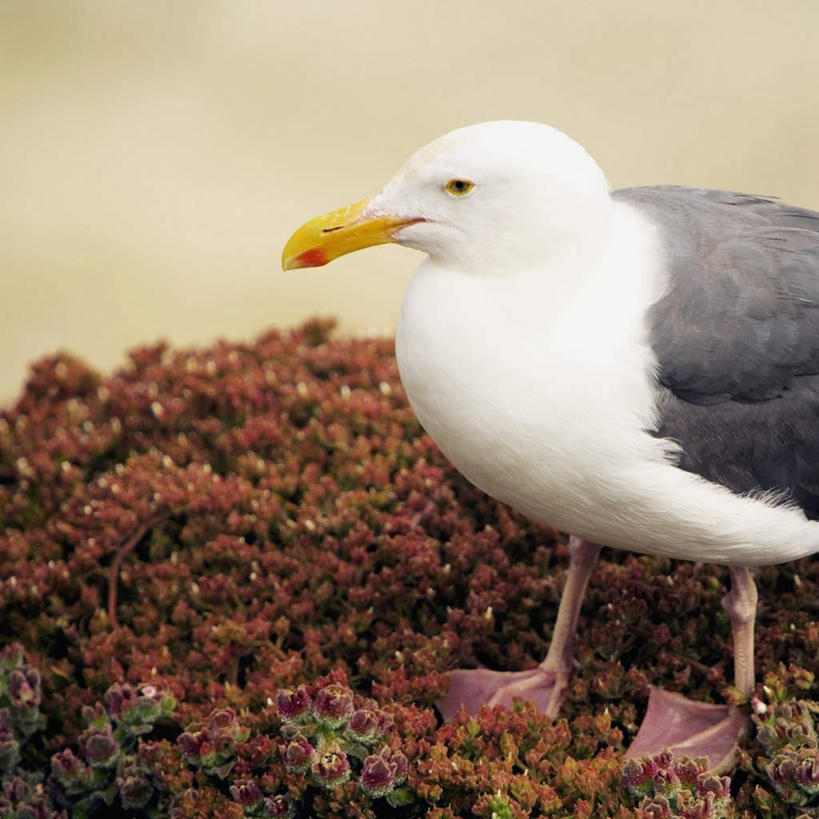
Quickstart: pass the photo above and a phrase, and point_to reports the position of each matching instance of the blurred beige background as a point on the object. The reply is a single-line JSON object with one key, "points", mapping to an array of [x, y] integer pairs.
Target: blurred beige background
{"points": [[156, 154]]}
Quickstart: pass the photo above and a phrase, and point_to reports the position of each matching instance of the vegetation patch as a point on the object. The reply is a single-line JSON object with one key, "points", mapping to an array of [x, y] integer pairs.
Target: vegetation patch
{"points": [[232, 581]]}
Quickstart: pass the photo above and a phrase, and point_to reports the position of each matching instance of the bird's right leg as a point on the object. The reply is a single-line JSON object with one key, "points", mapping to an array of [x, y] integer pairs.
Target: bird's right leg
{"points": [[543, 685]]}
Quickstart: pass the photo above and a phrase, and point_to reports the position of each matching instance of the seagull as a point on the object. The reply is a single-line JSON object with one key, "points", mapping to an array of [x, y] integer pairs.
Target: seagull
{"points": [[637, 368]]}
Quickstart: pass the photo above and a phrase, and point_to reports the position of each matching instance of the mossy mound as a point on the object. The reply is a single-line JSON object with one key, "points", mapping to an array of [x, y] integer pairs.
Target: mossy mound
{"points": [[209, 531]]}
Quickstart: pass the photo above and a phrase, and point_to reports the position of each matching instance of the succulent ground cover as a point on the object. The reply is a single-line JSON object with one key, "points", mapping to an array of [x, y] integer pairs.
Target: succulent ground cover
{"points": [[232, 580]]}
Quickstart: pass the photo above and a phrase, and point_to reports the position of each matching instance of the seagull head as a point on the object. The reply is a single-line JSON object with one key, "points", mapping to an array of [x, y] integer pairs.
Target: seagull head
{"points": [[486, 198]]}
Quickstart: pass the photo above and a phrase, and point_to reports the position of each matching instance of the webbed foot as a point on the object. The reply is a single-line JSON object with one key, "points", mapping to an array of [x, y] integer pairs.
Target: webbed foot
{"points": [[472, 688], [688, 728]]}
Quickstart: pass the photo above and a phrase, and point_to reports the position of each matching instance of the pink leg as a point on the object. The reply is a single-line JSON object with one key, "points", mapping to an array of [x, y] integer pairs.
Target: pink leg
{"points": [[696, 728], [560, 656], [740, 603], [543, 685]]}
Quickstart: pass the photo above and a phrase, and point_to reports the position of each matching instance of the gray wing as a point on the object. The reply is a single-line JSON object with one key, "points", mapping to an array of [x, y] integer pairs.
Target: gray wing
{"points": [[737, 337]]}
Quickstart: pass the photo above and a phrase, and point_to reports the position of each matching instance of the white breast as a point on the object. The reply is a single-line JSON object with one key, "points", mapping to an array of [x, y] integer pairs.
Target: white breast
{"points": [[541, 397]]}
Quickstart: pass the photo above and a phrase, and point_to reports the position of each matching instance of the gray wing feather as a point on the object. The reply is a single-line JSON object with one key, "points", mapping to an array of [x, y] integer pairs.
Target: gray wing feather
{"points": [[737, 339], [741, 315]]}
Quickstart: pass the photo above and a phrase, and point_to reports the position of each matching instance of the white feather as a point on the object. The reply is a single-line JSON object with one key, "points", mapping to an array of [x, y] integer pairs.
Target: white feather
{"points": [[522, 347]]}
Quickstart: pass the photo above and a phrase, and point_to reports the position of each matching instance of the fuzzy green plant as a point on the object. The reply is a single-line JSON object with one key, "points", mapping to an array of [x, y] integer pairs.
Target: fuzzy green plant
{"points": [[335, 739], [788, 731], [20, 697], [107, 768], [682, 788]]}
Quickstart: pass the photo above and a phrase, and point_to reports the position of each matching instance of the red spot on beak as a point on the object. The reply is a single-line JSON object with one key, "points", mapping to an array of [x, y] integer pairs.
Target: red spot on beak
{"points": [[314, 257]]}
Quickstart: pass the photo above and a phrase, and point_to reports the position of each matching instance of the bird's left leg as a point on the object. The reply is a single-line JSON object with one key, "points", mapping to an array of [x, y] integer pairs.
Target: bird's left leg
{"points": [[543, 685], [695, 729], [740, 603]]}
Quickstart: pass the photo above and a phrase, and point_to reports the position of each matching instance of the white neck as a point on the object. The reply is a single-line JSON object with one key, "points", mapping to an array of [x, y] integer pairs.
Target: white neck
{"points": [[589, 280]]}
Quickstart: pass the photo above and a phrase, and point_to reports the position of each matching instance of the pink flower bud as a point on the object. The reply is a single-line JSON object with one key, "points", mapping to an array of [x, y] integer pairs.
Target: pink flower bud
{"points": [[118, 698], [66, 764], [24, 686], [634, 773], [657, 808], [377, 777], [292, 704], [364, 725], [297, 754], [331, 767], [383, 771], [245, 792], [221, 720], [719, 786], [71, 772], [333, 705], [99, 747], [190, 744], [399, 764], [807, 771], [278, 807]]}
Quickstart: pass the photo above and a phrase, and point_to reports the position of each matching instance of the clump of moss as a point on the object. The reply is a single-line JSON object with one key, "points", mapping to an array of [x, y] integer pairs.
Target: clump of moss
{"points": [[223, 528]]}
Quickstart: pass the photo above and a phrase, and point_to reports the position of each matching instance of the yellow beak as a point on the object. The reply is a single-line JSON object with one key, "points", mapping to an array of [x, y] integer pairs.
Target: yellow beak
{"points": [[327, 237]]}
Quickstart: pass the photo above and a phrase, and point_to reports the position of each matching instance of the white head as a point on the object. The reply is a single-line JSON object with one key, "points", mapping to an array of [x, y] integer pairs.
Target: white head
{"points": [[488, 198]]}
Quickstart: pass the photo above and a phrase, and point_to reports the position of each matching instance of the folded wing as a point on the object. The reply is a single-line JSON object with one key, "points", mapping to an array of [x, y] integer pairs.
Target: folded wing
{"points": [[736, 337]]}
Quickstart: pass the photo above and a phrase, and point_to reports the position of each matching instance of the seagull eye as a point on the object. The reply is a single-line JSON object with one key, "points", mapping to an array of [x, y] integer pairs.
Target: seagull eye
{"points": [[459, 187]]}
